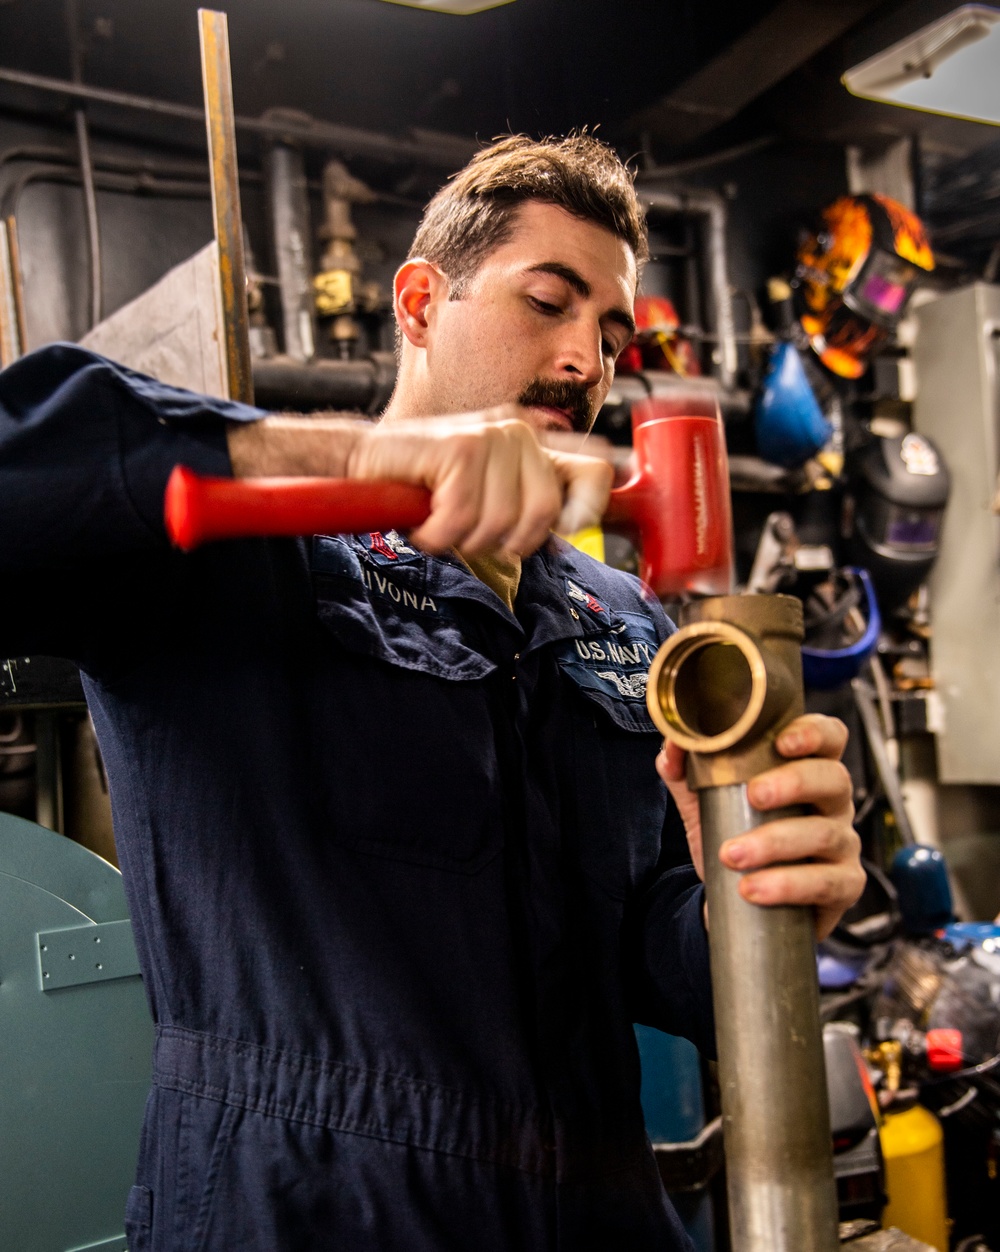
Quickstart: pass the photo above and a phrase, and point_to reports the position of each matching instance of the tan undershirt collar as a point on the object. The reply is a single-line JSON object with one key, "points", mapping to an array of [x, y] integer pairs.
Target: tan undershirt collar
{"points": [[501, 573]]}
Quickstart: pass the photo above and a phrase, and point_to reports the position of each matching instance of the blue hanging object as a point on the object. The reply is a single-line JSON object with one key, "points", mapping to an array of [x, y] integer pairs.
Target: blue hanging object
{"points": [[789, 423], [920, 877], [825, 668]]}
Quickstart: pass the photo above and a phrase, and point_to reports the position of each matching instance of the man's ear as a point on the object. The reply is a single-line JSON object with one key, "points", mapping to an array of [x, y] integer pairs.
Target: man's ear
{"points": [[418, 284]]}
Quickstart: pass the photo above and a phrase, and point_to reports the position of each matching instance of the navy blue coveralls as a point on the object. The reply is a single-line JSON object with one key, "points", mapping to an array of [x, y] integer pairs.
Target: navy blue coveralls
{"points": [[400, 869]]}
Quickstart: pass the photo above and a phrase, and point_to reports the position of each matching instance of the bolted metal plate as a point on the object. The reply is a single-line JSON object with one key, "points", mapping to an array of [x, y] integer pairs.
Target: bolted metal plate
{"points": [[77, 955]]}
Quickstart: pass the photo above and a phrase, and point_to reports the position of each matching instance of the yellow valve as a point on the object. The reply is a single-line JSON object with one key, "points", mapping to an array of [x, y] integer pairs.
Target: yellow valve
{"points": [[334, 292]]}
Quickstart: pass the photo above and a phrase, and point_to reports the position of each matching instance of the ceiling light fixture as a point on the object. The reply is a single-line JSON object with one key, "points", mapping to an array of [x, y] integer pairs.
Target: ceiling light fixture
{"points": [[452, 6], [951, 66]]}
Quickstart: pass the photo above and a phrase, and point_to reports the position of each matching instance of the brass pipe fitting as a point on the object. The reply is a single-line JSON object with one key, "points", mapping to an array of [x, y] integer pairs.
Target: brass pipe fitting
{"points": [[723, 687]]}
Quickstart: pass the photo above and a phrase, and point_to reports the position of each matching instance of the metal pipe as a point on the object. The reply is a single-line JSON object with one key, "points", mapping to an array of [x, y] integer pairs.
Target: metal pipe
{"points": [[154, 166], [363, 385], [17, 284], [291, 234], [426, 148], [142, 183], [86, 169], [712, 207], [10, 338], [219, 119], [722, 688], [90, 213], [888, 774], [680, 169], [49, 809]]}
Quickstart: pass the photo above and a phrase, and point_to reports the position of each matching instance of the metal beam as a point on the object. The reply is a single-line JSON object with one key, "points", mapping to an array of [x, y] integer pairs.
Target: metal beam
{"points": [[219, 117], [793, 32]]}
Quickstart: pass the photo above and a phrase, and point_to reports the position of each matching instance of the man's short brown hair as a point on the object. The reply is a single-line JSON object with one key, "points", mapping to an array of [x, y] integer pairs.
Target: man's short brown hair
{"points": [[475, 211]]}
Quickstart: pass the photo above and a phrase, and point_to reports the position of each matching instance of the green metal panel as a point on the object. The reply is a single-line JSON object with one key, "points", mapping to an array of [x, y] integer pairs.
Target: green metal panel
{"points": [[76, 1058]]}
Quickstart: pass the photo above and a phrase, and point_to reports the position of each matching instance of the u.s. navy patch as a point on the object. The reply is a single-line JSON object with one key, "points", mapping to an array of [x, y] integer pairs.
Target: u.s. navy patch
{"points": [[611, 668]]}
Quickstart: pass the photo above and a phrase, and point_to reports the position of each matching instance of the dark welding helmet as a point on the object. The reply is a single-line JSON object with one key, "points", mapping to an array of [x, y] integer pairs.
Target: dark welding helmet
{"points": [[900, 488], [854, 277]]}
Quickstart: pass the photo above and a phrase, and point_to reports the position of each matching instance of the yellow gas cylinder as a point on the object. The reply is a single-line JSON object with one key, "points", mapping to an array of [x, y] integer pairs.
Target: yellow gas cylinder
{"points": [[913, 1147]]}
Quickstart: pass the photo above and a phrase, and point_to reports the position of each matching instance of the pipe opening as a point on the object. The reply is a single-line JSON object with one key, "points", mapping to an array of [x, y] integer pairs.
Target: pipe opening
{"points": [[707, 686], [713, 686]]}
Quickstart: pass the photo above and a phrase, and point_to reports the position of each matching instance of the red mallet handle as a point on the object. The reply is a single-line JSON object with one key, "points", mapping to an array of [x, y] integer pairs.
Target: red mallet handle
{"points": [[197, 510]]}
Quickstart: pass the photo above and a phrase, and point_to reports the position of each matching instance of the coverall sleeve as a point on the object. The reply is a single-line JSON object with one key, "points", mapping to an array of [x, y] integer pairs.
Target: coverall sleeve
{"points": [[86, 448], [668, 977], [666, 946]]}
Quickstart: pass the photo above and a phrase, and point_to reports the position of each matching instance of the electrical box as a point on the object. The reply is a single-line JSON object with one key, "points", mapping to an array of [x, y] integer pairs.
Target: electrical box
{"points": [[957, 356]]}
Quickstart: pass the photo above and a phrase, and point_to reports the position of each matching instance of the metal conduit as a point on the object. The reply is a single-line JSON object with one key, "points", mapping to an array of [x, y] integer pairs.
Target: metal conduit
{"points": [[712, 207], [426, 148], [86, 170]]}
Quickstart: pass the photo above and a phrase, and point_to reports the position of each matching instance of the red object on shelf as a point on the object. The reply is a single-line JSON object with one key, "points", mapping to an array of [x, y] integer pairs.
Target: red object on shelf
{"points": [[944, 1050]]}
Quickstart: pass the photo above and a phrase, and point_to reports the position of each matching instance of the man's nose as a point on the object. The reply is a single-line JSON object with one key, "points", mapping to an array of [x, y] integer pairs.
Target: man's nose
{"points": [[580, 357]]}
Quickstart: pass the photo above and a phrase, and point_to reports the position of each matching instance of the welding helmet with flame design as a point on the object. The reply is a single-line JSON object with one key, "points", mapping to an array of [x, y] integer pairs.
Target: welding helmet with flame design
{"points": [[855, 276]]}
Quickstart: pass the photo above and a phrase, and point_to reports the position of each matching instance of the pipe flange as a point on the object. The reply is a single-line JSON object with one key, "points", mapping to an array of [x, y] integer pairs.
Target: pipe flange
{"points": [[666, 695]]}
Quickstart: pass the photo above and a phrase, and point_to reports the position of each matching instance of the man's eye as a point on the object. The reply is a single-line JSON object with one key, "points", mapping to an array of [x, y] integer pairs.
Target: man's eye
{"points": [[550, 310]]}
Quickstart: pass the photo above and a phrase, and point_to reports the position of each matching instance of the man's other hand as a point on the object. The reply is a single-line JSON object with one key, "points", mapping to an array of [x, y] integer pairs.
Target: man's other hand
{"points": [[813, 859]]}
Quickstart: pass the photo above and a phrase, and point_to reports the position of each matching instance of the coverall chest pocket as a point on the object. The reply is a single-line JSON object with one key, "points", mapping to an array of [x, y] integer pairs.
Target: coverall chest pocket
{"points": [[405, 764], [619, 800]]}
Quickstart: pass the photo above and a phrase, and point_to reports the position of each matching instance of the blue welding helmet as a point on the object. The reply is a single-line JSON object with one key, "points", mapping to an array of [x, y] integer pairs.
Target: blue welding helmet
{"points": [[789, 424], [842, 626]]}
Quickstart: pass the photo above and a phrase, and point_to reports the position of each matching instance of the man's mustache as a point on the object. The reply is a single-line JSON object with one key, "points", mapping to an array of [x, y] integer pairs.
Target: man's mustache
{"points": [[572, 398]]}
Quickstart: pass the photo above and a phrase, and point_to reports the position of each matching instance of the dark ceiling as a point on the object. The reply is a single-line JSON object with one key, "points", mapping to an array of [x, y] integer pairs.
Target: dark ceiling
{"points": [[537, 65], [534, 65]]}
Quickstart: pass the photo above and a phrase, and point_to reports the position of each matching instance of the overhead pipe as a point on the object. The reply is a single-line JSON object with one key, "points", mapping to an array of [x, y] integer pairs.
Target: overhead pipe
{"points": [[681, 169], [138, 184], [722, 688], [425, 148], [86, 170], [712, 207]]}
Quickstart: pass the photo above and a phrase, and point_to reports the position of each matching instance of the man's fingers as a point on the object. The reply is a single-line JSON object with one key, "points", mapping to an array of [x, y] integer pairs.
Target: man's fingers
{"points": [[586, 485], [671, 762], [829, 890], [810, 861], [821, 783], [541, 500], [818, 839], [498, 494], [493, 486], [813, 734], [455, 473]]}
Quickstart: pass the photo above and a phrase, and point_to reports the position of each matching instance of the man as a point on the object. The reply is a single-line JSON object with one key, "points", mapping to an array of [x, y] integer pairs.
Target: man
{"points": [[400, 868]]}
